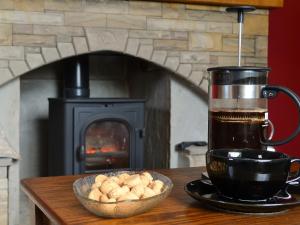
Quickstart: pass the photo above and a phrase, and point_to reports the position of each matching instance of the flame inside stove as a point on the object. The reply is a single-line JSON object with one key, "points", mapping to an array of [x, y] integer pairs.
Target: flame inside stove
{"points": [[103, 149]]}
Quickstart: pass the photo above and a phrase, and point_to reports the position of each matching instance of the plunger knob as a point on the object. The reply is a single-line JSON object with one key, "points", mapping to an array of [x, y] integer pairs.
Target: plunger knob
{"points": [[240, 10]]}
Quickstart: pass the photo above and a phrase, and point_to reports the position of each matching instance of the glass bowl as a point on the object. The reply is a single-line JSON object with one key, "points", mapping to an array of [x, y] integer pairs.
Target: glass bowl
{"points": [[120, 209]]}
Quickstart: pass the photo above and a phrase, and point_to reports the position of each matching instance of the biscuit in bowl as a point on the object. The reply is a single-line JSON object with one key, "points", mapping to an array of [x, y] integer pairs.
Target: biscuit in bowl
{"points": [[122, 193]]}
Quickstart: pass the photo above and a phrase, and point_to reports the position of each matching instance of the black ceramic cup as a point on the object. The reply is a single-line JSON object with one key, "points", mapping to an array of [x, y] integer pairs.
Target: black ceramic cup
{"points": [[249, 174]]}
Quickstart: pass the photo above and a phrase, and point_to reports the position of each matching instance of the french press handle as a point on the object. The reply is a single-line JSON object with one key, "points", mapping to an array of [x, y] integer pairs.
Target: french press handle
{"points": [[271, 92]]}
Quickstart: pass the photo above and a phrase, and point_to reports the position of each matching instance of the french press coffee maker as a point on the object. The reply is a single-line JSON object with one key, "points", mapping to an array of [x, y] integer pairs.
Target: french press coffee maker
{"points": [[238, 103]]}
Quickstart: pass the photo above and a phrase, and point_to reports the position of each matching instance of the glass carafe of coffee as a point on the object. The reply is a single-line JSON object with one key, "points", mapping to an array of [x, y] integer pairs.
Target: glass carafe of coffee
{"points": [[238, 108], [238, 103]]}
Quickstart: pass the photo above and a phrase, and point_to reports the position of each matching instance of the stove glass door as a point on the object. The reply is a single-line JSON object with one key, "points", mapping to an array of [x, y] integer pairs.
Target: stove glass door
{"points": [[106, 146]]}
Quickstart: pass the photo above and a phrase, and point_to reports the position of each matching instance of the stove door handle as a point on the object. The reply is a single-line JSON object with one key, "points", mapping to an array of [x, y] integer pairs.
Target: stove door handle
{"points": [[140, 132], [81, 153]]}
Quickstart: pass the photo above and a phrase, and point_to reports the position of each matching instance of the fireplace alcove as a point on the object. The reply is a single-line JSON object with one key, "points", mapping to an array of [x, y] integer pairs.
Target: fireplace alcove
{"points": [[112, 75]]}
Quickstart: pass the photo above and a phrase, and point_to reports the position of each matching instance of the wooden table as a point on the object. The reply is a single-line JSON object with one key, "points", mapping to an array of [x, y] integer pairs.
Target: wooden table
{"points": [[55, 201]]}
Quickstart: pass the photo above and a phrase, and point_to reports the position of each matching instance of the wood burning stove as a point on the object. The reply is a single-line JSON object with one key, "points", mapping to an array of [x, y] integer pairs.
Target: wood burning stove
{"points": [[91, 134], [87, 135]]}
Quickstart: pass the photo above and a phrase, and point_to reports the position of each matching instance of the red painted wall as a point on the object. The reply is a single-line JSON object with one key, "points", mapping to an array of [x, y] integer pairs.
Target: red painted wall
{"points": [[284, 60]]}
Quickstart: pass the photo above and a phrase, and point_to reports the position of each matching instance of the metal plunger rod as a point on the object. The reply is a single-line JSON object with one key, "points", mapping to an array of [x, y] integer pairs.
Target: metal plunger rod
{"points": [[240, 19], [240, 43]]}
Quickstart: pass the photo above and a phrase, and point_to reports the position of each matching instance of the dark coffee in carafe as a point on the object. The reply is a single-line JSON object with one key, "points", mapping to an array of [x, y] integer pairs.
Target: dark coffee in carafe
{"points": [[237, 129], [238, 108]]}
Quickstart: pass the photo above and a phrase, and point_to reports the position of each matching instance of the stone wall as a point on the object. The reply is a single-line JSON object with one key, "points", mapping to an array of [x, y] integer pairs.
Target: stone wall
{"points": [[184, 38], [8, 176], [3, 193], [9, 152]]}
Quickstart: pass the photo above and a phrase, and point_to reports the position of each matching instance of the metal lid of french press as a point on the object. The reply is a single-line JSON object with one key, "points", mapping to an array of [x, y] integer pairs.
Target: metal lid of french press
{"points": [[229, 75], [239, 69]]}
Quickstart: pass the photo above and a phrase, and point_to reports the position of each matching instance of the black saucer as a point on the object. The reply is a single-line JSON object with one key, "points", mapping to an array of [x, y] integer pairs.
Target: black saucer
{"points": [[203, 191]]}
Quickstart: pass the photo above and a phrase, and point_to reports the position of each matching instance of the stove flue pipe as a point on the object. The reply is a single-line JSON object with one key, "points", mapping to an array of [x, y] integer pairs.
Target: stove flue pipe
{"points": [[76, 77]]}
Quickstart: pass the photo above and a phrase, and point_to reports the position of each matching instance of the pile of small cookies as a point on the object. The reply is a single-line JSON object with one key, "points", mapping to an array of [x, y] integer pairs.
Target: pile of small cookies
{"points": [[124, 187]]}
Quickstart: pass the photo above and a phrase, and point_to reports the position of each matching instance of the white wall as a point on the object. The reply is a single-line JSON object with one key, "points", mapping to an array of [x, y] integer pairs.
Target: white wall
{"points": [[10, 111], [188, 120]]}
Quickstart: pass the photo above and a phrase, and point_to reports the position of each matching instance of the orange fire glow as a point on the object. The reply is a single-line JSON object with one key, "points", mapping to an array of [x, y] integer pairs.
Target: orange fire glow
{"points": [[104, 149]]}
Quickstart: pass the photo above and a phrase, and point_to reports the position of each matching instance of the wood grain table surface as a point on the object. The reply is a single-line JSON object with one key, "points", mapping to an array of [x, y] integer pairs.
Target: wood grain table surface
{"points": [[54, 198]]}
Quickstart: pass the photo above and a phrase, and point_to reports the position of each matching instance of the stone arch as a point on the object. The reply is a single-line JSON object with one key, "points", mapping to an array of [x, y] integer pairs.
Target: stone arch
{"points": [[97, 40]]}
